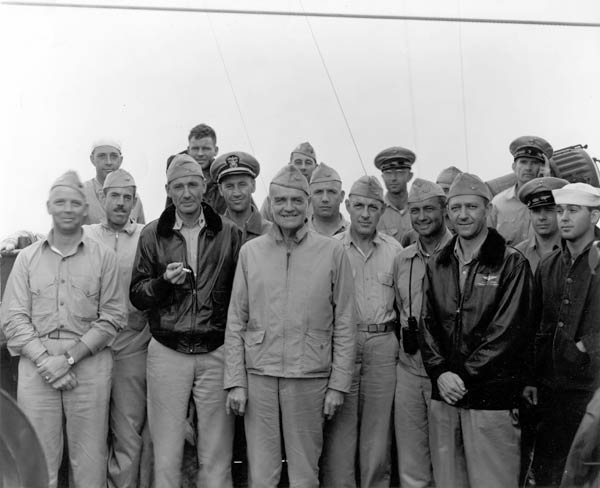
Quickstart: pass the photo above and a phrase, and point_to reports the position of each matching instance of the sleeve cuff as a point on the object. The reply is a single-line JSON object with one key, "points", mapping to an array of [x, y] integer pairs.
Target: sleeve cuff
{"points": [[32, 350], [590, 342], [96, 340]]}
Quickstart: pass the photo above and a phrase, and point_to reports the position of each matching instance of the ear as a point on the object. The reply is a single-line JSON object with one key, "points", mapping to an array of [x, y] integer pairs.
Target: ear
{"points": [[86, 211], [216, 151], [410, 175], [595, 216], [253, 186], [167, 189], [48, 207], [92, 158], [120, 162], [342, 195], [220, 190], [347, 203], [514, 165]]}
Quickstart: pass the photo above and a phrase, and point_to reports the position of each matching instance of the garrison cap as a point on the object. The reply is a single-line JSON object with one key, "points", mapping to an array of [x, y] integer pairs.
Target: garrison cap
{"points": [[306, 149], [531, 147], [577, 194], [118, 178], [290, 177], [324, 173], [106, 141], [234, 163], [446, 177], [395, 157], [367, 186], [69, 179], [183, 165], [538, 192], [469, 184], [422, 190]]}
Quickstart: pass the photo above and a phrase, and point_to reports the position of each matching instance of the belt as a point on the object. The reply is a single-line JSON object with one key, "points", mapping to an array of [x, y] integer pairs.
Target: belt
{"points": [[388, 326], [61, 334]]}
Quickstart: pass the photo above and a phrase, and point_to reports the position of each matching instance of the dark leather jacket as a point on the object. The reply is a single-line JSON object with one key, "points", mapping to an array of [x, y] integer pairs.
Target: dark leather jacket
{"points": [[190, 317], [482, 333]]}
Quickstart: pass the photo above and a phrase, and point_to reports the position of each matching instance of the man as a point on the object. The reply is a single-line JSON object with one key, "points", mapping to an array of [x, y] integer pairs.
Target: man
{"points": [[537, 195], [395, 164], [326, 196], [290, 337], [106, 157], [476, 312], [446, 177], [509, 216], [365, 420], [427, 209], [567, 340], [182, 277], [236, 174], [202, 146], [305, 159], [63, 305]]}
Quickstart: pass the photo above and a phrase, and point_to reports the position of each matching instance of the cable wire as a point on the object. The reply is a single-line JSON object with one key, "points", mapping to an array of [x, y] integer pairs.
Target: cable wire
{"points": [[464, 95]]}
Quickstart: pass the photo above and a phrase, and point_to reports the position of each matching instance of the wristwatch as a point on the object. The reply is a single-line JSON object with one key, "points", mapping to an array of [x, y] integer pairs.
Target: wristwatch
{"points": [[70, 359]]}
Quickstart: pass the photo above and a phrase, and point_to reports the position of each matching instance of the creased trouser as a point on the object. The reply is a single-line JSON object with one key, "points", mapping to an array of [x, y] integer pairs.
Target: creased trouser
{"points": [[85, 409], [366, 413], [172, 377], [411, 423], [474, 448], [300, 404], [127, 419]]}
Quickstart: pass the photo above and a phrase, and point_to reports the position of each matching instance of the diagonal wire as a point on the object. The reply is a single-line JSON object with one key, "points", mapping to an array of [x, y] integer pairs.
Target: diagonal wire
{"points": [[333, 88], [235, 98], [462, 84]]}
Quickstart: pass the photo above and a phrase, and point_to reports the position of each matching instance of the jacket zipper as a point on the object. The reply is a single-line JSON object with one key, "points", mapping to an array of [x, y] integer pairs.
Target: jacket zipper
{"points": [[193, 280]]}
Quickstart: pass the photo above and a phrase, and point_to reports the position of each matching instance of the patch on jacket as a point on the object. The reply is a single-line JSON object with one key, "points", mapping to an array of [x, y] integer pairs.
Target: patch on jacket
{"points": [[486, 279]]}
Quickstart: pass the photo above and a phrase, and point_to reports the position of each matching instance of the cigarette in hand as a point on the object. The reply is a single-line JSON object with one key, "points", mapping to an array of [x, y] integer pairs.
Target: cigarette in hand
{"points": [[187, 270]]}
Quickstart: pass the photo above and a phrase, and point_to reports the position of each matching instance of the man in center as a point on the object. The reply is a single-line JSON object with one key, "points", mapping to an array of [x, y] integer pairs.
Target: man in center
{"points": [[290, 338]]}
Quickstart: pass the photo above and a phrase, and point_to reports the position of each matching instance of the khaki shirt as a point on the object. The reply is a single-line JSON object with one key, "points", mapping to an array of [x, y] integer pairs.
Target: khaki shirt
{"points": [[93, 192], [291, 313], [255, 226], [80, 293], [394, 222], [373, 277], [529, 249], [510, 217], [343, 226], [416, 255]]}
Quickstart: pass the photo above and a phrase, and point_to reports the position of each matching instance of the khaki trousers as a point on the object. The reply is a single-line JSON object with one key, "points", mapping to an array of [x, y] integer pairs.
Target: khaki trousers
{"points": [[294, 407], [411, 423], [85, 411], [172, 378], [474, 448]]}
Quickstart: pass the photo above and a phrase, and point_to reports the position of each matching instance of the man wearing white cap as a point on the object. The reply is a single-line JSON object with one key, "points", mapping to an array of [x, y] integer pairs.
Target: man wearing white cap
{"points": [[567, 340], [106, 156], [289, 344], [63, 305], [182, 278], [326, 196], [427, 209], [474, 330], [365, 420]]}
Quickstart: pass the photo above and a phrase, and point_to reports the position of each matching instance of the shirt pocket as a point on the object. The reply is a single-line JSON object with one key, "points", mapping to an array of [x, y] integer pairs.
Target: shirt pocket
{"points": [[43, 298], [85, 298], [385, 291]]}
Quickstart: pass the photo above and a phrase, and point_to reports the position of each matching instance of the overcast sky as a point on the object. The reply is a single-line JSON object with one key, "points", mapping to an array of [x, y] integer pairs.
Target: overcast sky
{"points": [[455, 93]]}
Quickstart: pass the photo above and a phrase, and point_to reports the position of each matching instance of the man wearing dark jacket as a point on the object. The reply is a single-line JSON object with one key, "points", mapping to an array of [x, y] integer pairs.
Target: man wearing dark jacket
{"points": [[182, 275], [473, 337], [567, 340]]}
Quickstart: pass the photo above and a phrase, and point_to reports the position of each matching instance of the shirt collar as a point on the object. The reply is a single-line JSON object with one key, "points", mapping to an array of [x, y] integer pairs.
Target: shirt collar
{"points": [[129, 227], [458, 252], [253, 224], [275, 231], [49, 241], [343, 224], [347, 238], [179, 223], [387, 203]]}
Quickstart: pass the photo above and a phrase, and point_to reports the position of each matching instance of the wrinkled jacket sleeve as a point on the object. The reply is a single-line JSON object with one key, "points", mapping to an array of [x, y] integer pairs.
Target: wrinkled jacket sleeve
{"points": [[510, 327], [237, 320], [22, 337], [431, 351], [344, 327], [112, 307], [148, 289]]}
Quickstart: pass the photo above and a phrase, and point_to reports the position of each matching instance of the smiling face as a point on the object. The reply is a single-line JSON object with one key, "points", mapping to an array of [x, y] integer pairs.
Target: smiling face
{"points": [[364, 214], [237, 191], [289, 207], [427, 217], [68, 209], [468, 214], [326, 198], [203, 150]]}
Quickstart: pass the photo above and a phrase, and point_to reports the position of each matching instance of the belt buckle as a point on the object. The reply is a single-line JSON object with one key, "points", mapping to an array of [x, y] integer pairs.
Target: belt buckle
{"points": [[372, 328]]}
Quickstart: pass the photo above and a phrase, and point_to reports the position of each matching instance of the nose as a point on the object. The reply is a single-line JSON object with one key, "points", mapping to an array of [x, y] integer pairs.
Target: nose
{"points": [[325, 198], [462, 213]]}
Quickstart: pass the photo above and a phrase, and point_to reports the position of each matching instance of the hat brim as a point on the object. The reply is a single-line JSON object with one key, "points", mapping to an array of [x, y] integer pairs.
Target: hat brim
{"points": [[235, 171]]}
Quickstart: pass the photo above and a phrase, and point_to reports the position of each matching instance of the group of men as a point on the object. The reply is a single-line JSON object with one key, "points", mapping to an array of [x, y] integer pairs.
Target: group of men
{"points": [[329, 337]]}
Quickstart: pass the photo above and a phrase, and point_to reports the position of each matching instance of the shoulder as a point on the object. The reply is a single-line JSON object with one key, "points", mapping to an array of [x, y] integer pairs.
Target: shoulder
{"points": [[408, 252], [389, 241]]}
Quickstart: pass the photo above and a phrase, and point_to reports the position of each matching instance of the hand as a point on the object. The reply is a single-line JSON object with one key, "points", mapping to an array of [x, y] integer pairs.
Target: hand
{"points": [[66, 382], [236, 401], [175, 273], [334, 399], [52, 368], [7, 246], [530, 395], [580, 346], [451, 387]]}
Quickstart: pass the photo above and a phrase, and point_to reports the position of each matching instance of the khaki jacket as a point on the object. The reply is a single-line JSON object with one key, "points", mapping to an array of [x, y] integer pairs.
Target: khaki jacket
{"points": [[291, 313]]}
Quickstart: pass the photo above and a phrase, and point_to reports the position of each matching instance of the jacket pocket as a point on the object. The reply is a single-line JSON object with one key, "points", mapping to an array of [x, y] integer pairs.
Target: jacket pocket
{"points": [[317, 351], [220, 303], [252, 347], [573, 363]]}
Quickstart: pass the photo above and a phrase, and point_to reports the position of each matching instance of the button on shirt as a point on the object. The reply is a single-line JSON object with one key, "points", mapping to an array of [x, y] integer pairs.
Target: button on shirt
{"points": [[394, 222], [79, 292], [190, 234], [373, 277], [510, 217]]}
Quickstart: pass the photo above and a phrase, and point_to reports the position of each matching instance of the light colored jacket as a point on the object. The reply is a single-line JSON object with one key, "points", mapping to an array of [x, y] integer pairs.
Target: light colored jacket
{"points": [[291, 313]]}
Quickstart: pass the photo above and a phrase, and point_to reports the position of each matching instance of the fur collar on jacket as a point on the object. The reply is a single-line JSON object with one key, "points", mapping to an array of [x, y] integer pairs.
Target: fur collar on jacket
{"points": [[491, 254], [166, 221]]}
